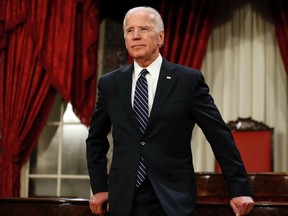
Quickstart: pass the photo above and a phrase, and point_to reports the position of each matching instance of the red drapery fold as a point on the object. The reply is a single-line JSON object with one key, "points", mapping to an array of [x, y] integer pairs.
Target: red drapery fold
{"points": [[280, 14], [45, 46], [187, 30], [68, 51], [12, 13], [83, 92], [26, 97]]}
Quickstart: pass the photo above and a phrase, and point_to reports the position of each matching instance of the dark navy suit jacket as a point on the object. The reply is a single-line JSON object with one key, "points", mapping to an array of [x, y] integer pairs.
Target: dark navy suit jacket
{"points": [[182, 100]]}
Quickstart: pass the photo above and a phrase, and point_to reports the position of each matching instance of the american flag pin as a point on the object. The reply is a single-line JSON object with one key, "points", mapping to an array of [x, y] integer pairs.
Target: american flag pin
{"points": [[168, 77]]}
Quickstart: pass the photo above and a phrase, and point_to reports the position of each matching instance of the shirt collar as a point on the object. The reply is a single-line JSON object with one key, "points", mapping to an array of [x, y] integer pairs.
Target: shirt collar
{"points": [[153, 68]]}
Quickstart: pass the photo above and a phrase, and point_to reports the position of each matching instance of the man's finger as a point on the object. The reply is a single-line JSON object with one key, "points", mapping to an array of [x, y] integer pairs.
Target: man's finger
{"points": [[235, 208]]}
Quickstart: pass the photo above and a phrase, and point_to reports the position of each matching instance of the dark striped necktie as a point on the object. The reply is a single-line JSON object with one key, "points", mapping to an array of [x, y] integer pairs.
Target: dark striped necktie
{"points": [[142, 114]]}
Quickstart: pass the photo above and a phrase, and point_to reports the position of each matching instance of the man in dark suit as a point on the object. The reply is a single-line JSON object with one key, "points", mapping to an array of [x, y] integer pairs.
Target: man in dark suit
{"points": [[159, 149]]}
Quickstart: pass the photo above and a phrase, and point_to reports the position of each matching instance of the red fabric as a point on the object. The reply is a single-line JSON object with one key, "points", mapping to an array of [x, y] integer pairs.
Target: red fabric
{"points": [[280, 13], [255, 148], [13, 12], [45, 46], [83, 92], [26, 97], [68, 50], [188, 26]]}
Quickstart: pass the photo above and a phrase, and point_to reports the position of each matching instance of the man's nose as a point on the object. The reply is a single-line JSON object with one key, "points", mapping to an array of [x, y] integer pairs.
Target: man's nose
{"points": [[136, 34]]}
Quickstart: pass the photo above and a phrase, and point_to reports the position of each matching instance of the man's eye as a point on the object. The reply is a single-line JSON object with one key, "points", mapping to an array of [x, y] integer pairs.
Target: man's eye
{"points": [[144, 29]]}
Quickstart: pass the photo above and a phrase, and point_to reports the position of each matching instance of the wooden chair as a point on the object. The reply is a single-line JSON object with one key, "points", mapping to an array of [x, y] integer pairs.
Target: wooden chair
{"points": [[255, 143]]}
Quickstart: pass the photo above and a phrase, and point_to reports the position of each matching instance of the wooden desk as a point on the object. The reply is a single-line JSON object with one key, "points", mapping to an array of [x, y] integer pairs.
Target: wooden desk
{"points": [[271, 190], [266, 186], [80, 207], [224, 209]]}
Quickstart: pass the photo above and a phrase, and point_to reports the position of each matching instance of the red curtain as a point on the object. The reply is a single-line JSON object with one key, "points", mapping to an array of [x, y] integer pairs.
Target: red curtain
{"points": [[187, 30], [46, 46], [68, 51], [280, 14], [83, 86]]}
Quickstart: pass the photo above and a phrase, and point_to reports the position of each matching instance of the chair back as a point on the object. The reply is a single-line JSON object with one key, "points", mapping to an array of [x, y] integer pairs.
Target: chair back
{"points": [[254, 141]]}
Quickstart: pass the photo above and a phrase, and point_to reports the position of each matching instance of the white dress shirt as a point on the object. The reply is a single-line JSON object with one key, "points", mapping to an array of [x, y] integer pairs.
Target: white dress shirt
{"points": [[152, 79]]}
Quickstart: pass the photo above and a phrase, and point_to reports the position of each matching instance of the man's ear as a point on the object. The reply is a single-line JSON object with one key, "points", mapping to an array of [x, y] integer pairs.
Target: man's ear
{"points": [[161, 39]]}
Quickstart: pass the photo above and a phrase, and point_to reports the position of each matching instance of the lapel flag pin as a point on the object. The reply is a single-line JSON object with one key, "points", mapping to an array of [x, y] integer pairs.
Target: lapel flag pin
{"points": [[168, 77]]}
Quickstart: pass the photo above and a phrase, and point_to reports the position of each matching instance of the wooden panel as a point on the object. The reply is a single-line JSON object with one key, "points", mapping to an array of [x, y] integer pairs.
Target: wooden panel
{"points": [[44, 207], [271, 190], [224, 209], [72, 207], [266, 186]]}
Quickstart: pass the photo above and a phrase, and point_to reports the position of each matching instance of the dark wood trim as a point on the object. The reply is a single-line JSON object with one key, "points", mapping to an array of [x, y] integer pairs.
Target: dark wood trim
{"points": [[247, 124], [271, 190], [75, 207], [271, 186]]}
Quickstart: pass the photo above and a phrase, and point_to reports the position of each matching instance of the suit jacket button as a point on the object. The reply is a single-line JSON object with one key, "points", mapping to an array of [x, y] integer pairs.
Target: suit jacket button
{"points": [[142, 143]]}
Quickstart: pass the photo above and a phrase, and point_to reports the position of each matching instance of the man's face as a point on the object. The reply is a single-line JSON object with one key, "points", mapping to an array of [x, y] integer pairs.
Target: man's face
{"points": [[141, 38]]}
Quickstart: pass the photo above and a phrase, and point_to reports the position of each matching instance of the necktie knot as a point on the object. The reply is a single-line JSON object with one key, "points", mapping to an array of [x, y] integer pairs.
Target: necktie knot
{"points": [[144, 72]]}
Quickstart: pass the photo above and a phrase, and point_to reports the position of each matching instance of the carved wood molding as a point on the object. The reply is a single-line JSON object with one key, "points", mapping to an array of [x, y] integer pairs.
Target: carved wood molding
{"points": [[247, 124]]}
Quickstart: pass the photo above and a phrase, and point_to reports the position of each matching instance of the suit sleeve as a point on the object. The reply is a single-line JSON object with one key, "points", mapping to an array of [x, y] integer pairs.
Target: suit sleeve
{"points": [[209, 119], [97, 144]]}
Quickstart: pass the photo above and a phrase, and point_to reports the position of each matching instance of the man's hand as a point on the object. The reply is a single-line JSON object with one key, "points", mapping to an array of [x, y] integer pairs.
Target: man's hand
{"points": [[96, 203], [242, 205]]}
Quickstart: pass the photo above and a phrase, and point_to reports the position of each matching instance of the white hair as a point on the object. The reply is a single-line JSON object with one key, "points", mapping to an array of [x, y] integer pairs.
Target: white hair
{"points": [[153, 14]]}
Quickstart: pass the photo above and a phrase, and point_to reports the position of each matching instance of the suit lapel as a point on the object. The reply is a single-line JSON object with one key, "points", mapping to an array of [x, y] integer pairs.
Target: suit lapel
{"points": [[124, 84], [166, 82]]}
